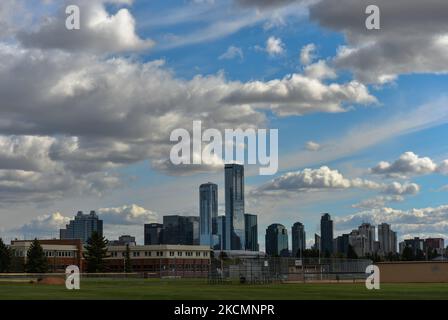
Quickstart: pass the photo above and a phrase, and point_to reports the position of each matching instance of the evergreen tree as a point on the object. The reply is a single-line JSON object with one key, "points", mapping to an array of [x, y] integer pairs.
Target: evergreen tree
{"points": [[5, 257], [408, 254], [96, 252], [36, 261], [127, 261], [351, 253]]}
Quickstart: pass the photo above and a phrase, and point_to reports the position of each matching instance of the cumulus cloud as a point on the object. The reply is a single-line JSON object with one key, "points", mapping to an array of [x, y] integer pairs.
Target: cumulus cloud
{"points": [[100, 31], [307, 54], [232, 53], [429, 221], [320, 70], [298, 95], [127, 215], [44, 226], [324, 178], [275, 46], [409, 164], [380, 56]]}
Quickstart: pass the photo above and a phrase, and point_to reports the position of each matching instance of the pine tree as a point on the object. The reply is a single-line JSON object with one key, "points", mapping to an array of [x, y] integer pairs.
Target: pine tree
{"points": [[96, 252], [5, 257], [127, 261], [351, 253], [36, 261]]}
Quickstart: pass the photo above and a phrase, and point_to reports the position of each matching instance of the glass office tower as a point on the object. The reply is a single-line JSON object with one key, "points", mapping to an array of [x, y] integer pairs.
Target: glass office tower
{"points": [[234, 196], [208, 213]]}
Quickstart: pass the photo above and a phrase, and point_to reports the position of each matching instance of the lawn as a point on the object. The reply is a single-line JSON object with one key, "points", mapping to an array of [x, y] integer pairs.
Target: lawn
{"points": [[200, 290]]}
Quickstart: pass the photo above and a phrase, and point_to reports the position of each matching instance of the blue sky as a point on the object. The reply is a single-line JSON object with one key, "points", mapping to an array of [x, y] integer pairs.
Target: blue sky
{"points": [[165, 63]]}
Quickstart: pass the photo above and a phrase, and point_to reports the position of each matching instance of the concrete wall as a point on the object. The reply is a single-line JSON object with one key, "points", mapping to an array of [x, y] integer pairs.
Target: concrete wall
{"points": [[396, 272]]}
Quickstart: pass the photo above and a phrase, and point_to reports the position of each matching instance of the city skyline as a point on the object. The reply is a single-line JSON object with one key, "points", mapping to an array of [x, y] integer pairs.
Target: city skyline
{"points": [[87, 116]]}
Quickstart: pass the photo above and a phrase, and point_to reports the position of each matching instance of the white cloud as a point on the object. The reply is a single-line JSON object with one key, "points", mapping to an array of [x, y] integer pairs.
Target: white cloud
{"points": [[320, 70], [325, 178], [312, 146], [409, 164], [99, 32], [127, 215], [307, 54], [298, 95], [275, 46]]}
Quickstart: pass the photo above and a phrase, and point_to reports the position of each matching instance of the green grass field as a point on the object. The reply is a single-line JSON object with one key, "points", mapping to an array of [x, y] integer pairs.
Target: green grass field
{"points": [[200, 290]]}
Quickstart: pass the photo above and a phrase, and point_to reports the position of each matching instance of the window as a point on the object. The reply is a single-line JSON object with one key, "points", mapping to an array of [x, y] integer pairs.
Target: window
{"points": [[205, 254], [171, 253], [179, 253], [198, 254]]}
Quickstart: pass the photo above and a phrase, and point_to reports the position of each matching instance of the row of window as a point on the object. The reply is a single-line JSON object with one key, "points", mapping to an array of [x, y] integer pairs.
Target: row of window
{"points": [[136, 254], [48, 253]]}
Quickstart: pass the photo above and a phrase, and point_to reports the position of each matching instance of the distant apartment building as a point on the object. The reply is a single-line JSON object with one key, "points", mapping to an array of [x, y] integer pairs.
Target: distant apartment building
{"points": [[251, 227], [368, 231], [417, 245], [208, 213], [125, 240], [326, 234], [434, 244], [277, 240], [358, 242], [181, 230], [153, 234], [82, 227], [298, 239], [387, 239], [342, 243]]}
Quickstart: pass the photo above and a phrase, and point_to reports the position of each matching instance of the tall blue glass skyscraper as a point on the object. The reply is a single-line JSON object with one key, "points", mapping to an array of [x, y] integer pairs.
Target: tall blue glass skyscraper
{"points": [[208, 212], [234, 194], [277, 240]]}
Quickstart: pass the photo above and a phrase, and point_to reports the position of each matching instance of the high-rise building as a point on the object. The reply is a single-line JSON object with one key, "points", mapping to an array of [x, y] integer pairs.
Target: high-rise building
{"points": [[220, 244], [298, 239], [181, 230], [153, 234], [208, 212], [387, 239], [251, 225], [234, 198], [316, 242], [417, 245], [368, 231], [326, 234], [358, 242], [277, 240], [342, 243], [82, 227]]}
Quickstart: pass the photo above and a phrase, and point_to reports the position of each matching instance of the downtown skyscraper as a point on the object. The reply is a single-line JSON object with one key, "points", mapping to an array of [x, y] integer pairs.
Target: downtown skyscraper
{"points": [[326, 235], [298, 239], [208, 213], [234, 203]]}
